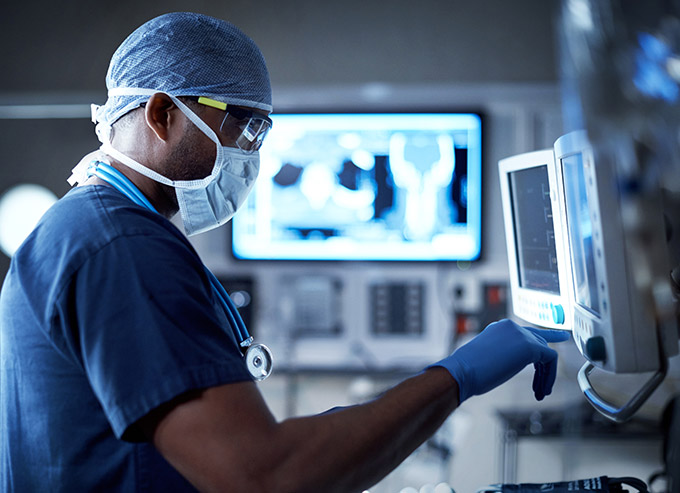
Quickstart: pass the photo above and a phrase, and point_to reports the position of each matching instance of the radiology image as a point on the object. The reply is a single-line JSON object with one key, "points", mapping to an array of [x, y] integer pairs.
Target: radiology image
{"points": [[366, 186]]}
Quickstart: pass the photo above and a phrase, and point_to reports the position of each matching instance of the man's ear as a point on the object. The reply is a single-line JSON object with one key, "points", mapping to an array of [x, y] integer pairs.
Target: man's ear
{"points": [[159, 116]]}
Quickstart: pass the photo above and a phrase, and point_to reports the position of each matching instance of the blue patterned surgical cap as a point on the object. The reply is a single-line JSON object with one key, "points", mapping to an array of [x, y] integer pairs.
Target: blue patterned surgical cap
{"points": [[187, 54]]}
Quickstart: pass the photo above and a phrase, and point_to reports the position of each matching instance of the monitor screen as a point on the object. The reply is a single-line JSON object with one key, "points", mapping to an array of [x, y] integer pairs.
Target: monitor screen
{"points": [[538, 263], [534, 229], [580, 229], [365, 186]]}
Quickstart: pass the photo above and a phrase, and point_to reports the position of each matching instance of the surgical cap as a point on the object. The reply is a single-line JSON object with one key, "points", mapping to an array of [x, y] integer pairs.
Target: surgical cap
{"points": [[187, 54]]}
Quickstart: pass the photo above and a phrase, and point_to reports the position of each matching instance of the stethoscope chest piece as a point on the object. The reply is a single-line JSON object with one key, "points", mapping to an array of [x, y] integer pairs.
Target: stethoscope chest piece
{"points": [[259, 361]]}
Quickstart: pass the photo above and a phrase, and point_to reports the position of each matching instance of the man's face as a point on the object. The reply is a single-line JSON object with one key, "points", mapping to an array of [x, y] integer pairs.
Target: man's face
{"points": [[194, 157]]}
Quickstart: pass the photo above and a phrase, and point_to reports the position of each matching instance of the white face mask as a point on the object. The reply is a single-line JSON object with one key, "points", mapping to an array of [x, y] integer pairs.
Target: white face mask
{"points": [[211, 201]]}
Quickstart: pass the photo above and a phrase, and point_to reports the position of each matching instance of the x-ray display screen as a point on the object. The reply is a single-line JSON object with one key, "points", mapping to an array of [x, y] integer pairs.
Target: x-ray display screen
{"points": [[580, 229], [534, 230], [365, 186]]}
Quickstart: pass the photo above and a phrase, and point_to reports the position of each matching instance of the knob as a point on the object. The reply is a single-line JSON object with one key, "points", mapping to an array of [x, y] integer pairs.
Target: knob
{"points": [[595, 350], [557, 313]]}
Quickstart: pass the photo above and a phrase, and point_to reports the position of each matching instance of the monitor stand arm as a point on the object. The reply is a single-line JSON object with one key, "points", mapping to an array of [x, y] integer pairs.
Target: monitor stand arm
{"points": [[619, 414]]}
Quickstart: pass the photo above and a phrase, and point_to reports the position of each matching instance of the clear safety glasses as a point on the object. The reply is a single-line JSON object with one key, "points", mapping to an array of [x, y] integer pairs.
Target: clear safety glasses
{"points": [[246, 128]]}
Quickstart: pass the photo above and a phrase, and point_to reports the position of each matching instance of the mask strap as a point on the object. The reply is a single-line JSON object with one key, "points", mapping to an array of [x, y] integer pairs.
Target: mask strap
{"points": [[133, 91], [108, 148], [196, 120], [131, 163]]}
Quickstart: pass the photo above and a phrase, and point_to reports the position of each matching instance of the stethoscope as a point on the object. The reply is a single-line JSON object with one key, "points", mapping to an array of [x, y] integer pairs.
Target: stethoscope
{"points": [[258, 356]]}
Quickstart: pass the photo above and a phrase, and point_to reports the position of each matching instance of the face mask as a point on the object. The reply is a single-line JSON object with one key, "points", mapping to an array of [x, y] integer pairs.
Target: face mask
{"points": [[211, 201]]}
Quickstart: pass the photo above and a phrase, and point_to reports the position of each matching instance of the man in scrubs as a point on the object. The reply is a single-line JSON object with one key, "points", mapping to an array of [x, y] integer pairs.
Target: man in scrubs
{"points": [[121, 368]]}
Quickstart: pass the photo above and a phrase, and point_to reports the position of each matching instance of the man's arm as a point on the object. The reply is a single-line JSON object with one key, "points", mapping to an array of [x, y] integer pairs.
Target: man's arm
{"points": [[226, 439]]}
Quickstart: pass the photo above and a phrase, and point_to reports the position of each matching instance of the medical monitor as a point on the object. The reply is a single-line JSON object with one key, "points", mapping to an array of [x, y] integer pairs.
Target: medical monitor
{"points": [[365, 186], [618, 261], [537, 262]]}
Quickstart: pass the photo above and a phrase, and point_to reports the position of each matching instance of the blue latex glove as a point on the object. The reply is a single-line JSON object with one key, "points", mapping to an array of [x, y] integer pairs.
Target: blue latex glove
{"points": [[498, 353]]}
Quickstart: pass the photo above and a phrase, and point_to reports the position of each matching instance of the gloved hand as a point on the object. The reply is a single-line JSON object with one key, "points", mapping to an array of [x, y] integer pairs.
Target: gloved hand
{"points": [[498, 353]]}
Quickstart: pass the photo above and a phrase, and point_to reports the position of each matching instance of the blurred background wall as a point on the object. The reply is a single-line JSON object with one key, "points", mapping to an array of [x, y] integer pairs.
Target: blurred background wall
{"points": [[53, 47], [431, 54]]}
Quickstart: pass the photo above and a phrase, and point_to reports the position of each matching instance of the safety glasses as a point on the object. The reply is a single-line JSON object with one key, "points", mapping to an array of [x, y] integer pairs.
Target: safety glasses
{"points": [[246, 128]]}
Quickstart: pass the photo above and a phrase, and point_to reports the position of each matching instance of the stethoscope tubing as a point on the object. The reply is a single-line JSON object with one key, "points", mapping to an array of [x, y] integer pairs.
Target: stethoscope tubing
{"points": [[121, 183], [231, 310]]}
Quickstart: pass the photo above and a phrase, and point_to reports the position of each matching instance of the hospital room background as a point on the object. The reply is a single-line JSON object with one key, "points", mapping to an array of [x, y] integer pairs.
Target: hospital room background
{"points": [[343, 327]]}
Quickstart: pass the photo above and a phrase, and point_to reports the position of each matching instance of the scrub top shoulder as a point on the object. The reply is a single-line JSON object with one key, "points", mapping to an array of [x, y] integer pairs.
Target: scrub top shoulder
{"points": [[105, 314]]}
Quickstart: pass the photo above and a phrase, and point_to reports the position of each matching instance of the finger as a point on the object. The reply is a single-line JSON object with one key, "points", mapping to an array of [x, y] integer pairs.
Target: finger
{"points": [[551, 335], [545, 374], [537, 385], [550, 375], [544, 379], [546, 355]]}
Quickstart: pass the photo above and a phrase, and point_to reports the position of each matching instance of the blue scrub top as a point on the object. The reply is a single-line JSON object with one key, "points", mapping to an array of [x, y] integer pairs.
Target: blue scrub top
{"points": [[105, 314]]}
